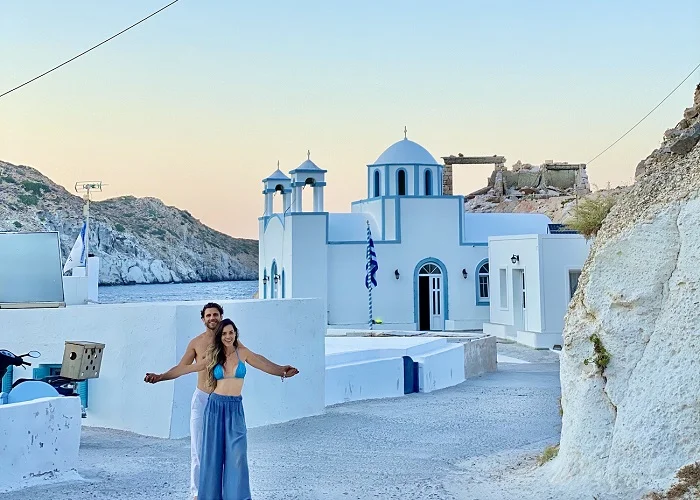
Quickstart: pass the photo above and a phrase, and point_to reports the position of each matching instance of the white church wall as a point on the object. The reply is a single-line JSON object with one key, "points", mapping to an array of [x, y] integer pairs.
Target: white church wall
{"points": [[271, 249], [309, 261], [374, 209], [430, 229]]}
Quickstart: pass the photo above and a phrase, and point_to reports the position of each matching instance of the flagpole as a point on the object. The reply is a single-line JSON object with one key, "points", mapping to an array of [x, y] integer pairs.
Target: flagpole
{"points": [[368, 278], [86, 211]]}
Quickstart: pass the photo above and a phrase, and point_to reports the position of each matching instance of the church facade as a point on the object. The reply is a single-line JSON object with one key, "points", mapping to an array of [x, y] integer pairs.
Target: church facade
{"points": [[432, 256]]}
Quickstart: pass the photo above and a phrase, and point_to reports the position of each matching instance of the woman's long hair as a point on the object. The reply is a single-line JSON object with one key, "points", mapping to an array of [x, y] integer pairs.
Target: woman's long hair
{"points": [[216, 355]]}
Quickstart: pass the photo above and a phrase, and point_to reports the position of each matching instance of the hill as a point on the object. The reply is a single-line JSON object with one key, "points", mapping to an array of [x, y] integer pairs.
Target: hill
{"points": [[138, 240]]}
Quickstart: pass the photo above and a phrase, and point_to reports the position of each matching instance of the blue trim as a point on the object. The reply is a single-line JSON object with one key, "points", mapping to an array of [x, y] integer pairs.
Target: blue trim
{"points": [[303, 183], [386, 181], [283, 281], [445, 301], [397, 207], [405, 186], [268, 218], [479, 301], [416, 180], [428, 182], [273, 271], [308, 170], [403, 164], [369, 177]]}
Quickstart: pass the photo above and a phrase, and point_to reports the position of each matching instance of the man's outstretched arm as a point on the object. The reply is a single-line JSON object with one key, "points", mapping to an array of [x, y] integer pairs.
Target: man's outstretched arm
{"points": [[183, 367]]}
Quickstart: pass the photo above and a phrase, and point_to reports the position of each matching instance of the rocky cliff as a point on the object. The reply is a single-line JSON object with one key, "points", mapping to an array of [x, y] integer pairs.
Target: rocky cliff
{"points": [[630, 373], [138, 240]]}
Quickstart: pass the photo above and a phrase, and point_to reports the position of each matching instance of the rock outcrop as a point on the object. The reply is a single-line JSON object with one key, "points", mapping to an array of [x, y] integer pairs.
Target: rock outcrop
{"points": [[138, 240], [632, 423]]}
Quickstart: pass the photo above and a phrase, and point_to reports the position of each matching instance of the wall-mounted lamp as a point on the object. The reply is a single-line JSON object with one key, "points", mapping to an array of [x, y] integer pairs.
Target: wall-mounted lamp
{"points": [[396, 273], [265, 280], [277, 278], [515, 259], [465, 273]]}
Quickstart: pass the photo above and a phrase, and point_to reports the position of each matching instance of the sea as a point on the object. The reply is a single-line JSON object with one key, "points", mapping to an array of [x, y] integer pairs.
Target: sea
{"points": [[203, 292]]}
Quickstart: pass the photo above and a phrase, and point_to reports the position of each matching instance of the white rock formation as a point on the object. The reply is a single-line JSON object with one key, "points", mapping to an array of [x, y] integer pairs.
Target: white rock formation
{"points": [[634, 425]]}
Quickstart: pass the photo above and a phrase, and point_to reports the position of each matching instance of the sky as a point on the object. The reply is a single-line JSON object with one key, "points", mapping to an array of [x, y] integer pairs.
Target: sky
{"points": [[197, 105]]}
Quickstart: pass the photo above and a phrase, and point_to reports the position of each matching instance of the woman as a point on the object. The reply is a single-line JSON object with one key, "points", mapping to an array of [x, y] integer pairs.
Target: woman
{"points": [[224, 461]]}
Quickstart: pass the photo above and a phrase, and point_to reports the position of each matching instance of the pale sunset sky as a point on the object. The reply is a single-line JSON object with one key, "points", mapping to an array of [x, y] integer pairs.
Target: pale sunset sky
{"points": [[197, 104]]}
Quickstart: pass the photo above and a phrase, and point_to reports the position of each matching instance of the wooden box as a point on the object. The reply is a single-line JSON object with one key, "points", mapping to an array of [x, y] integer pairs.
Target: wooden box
{"points": [[81, 360]]}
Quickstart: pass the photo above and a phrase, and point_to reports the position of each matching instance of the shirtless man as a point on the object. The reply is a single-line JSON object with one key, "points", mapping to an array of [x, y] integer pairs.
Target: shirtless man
{"points": [[196, 352]]}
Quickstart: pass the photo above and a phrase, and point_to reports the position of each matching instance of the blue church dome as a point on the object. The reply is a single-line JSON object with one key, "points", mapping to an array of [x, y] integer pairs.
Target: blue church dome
{"points": [[406, 152]]}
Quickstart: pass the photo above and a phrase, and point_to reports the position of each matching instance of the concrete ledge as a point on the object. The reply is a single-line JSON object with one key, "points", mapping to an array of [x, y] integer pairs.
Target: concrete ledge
{"points": [[39, 442], [452, 325], [378, 378], [480, 356], [500, 331], [441, 369], [539, 340]]}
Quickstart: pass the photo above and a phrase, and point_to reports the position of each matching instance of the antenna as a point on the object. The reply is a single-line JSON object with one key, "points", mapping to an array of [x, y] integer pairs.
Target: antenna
{"points": [[86, 187]]}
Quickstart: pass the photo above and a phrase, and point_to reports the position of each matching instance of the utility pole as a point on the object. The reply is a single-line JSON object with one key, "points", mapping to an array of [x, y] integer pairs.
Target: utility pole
{"points": [[86, 187]]}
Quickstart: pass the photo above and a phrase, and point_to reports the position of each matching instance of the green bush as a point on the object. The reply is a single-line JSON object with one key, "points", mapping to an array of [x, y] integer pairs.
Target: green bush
{"points": [[548, 454], [601, 357], [119, 227], [17, 224], [28, 199], [589, 215], [8, 179], [36, 188]]}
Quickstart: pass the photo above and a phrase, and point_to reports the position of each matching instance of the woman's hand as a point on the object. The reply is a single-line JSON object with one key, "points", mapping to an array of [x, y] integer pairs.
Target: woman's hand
{"points": [[289, 371]]}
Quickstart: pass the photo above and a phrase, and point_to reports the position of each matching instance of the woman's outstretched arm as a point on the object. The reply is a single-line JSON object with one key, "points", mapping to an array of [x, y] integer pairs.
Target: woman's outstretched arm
{"points": [[263, 364]]}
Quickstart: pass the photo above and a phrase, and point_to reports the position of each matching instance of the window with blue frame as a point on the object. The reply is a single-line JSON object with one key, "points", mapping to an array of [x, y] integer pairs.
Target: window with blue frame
{"points": [[483, 277], [428, 182], [377, 179], [401, 182]]}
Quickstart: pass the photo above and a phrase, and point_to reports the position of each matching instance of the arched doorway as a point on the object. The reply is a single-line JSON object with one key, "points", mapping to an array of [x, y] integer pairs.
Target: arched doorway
{"points": [[431, 297]]}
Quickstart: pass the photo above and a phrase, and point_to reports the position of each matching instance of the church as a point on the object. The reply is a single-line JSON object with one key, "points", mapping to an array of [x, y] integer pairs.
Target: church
{"points": [[432, 257]]}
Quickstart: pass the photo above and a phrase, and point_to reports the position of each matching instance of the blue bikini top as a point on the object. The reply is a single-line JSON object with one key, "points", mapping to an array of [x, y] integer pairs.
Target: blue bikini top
{"points": [[240, 370]]}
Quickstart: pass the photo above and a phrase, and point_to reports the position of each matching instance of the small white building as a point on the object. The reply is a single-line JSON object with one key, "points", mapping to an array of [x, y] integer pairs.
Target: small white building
{"points": [[532, 279], [432, 256]]}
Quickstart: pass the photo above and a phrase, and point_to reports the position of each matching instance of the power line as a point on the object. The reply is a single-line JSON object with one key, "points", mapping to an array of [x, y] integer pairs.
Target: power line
{"points": [[645, 116], [88, 50]]}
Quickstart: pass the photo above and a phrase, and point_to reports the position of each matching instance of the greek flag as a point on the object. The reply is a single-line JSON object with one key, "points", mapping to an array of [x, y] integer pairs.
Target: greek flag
{"points": [[371, 266], [76, 258]]}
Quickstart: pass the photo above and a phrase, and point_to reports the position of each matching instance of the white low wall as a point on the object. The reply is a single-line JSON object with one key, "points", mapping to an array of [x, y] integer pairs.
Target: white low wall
{"points": [[360, 368], [379, 378], [39, 442], [500, 331], [152, 337], [442, 368]]}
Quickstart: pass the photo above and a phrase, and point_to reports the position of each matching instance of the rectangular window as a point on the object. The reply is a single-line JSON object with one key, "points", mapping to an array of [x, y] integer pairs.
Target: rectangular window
{"points": [[504, 288], [484, 287], [574, 275]]}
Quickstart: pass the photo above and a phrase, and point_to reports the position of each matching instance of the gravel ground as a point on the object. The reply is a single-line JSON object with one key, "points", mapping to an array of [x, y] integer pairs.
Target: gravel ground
{"points": [[440, 445]]}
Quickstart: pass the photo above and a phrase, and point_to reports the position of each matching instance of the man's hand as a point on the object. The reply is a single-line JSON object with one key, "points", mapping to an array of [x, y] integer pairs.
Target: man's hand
{"points": [[289, 371], [152, 378]]}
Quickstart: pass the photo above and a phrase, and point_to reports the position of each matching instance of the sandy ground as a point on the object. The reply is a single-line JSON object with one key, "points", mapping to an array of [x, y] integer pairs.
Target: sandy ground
{"points": [[477, 440]]}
